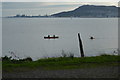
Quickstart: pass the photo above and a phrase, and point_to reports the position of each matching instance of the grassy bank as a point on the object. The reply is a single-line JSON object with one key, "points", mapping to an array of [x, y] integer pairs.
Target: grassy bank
{"points": [[60, 63]]}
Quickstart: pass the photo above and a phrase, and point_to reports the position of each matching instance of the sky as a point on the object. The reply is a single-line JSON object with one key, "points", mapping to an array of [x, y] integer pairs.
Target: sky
{"points": [[60, 0], [48, 6]]}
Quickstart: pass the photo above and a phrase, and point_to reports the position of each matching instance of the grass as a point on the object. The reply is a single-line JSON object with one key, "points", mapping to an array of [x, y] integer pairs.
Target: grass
{"points": [[61, 63], [0, 66]]}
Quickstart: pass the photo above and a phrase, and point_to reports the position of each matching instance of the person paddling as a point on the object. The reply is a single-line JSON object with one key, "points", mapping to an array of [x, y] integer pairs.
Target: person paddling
{"points": [[92, 38]]}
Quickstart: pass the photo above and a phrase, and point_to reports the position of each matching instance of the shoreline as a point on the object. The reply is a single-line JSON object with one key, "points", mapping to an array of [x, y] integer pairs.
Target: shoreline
{"points": [[105, 66]]}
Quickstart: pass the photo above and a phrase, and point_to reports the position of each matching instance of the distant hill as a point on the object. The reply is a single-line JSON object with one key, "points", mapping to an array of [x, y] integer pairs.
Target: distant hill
{"points": [[90, 11]]}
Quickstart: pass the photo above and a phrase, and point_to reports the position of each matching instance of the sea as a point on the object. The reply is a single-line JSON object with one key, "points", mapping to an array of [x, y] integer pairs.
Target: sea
{"points": [[24, 37]]}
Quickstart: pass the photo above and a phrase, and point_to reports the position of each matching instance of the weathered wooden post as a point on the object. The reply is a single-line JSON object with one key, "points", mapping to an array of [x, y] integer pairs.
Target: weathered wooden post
{"points": [[80, 45]]}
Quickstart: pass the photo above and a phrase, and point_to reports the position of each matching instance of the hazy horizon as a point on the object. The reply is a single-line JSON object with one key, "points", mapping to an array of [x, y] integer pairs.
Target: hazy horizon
{"points": [[43, 8]]}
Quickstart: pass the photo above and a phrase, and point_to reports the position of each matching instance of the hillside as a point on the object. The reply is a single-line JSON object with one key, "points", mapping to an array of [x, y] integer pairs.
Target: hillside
{"points": [[90, 11]]}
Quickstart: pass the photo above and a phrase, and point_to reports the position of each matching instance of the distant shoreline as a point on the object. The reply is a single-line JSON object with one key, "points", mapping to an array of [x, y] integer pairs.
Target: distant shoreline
{"points": [[58, 17], [85, 11]]}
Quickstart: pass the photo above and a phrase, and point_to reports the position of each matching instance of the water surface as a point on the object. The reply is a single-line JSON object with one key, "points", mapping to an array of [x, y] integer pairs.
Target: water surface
{"points": [[25, 36]]}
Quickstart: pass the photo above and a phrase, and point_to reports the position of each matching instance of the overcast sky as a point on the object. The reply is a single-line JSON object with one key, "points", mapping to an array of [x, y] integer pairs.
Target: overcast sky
{"points": [[60, 0]]}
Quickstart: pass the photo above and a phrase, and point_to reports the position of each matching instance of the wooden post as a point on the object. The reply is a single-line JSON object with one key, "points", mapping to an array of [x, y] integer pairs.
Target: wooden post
{"points": [[80, 45]]}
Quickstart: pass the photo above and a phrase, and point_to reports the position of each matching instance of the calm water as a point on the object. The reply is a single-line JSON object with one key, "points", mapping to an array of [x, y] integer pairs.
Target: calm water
{"points": [[25, 36]]}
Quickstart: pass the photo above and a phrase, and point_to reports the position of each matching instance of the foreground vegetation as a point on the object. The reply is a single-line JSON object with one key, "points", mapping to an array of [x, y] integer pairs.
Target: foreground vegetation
{"points": [[59, 63]]}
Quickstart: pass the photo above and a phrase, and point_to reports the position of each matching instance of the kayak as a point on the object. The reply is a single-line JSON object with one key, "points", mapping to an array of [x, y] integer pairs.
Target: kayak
{"points": [[54, 37]]}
